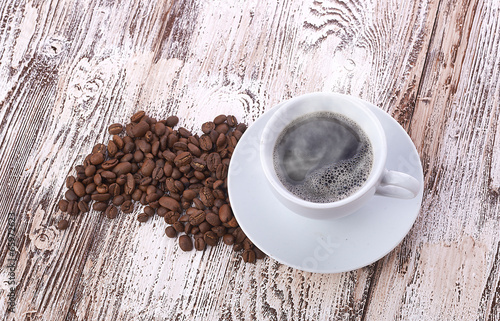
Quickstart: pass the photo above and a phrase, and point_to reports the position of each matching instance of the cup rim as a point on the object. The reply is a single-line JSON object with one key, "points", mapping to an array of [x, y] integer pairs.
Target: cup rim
{"points": [[375, 173]]}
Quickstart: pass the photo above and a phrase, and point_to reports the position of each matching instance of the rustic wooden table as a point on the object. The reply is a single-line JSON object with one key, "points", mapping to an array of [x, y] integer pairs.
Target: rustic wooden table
{"points": [[70, 68]]}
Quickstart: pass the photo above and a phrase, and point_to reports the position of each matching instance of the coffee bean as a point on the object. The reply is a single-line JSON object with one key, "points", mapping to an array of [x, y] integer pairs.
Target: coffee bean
{"points": [[185, 243], [170, 203], [241, 127], [197, 218], [137, 116], [170, 232], [112, 148], [121, 179], [118, 200], [191, 211], [228, 239], [143, 146], [211, 238], [100, 206], [73, 209], [219, 230], [70, 195], [225, 213], [178, 226], [220, 119], [172, 121], [101, 197], [194, 150], [206, 196], [109, 164], [171, 217], [159, 129], [237, 247], [182, 159], [239, 235], [97, 158], [155, 148], [199, 244], [97, 179], [129, 157], [136, 195], [147, 167], [213, 136], [90, 170], [213, 219], [140, 129], [198, 204], [152, 197], [63, 205], [207, 127], [258, 253], [114, 189], [83, 206], [102, 189], [189, 194], [205, 227], [62, 224], [98, 148], [247, 244], [222, 128], [184, 132], [127, 207], [176, 173], [90, 188], [198, 164], [232, 222], [149, 211], [87, 199], [221, 172], [179, 185], [195, 230], [218, 183], [118, 141], [180, 146], [143, 199], [162, 211], [122, 168], [221, 141], [231, 121], [145, 181], [128, 148], [172, 139], [70, 180], [248, 256], [206, 143], [143, 217], [115, 129], [130, 185], [198, 175], [185, 169], [213, 160], [157, 173]]}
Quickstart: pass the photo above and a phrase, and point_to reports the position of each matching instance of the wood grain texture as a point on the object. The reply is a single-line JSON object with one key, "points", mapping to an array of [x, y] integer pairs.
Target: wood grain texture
{"points": [[70, 68]]}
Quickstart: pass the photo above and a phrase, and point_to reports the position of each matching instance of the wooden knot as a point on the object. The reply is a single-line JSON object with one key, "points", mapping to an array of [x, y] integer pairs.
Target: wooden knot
{"points": [[43, 238]]}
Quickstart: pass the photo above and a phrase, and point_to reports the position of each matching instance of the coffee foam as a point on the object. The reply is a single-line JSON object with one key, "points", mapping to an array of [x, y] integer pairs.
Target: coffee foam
{"points": [[335, 181]]}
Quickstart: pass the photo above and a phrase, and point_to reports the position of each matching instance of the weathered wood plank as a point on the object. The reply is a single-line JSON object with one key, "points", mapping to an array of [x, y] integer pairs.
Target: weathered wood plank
{"points": [[452, 247], [70, 68]]}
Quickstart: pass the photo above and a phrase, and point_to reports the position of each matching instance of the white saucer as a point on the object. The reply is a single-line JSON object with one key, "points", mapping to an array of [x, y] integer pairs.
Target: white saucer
{"points": [[311, 245]]}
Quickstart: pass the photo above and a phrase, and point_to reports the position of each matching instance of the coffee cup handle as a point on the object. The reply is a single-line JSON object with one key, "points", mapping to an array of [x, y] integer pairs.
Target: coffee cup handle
{"points": [[398, 185]]}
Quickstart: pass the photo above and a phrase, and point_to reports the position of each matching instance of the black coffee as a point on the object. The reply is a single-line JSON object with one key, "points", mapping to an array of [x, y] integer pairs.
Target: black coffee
{"points": [[323, 157]]}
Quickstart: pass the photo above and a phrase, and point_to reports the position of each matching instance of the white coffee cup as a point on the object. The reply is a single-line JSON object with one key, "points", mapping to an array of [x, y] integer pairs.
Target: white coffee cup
{"points": [[380, 181]]}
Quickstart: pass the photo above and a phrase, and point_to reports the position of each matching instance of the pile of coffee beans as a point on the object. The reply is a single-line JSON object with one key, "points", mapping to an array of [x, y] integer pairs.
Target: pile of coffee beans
{"points": [[175, 174]]}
